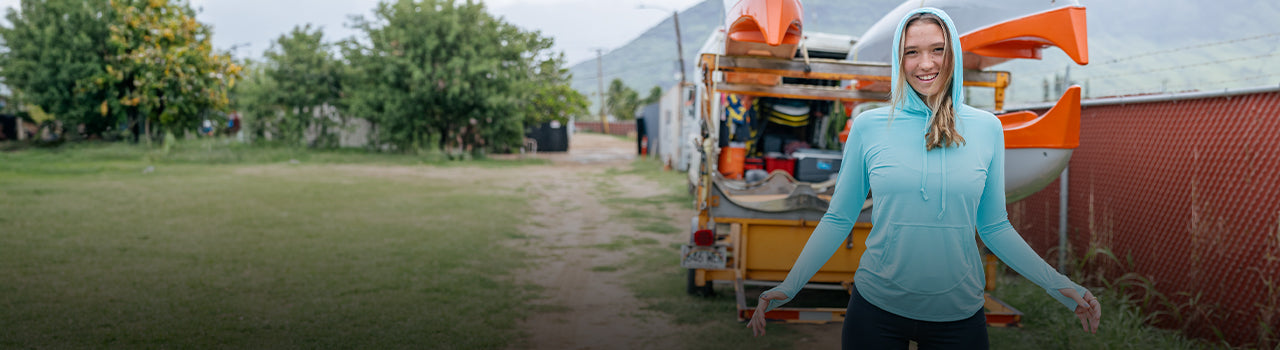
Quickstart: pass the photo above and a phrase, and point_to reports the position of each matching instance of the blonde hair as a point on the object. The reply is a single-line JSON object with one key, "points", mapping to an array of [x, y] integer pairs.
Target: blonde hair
{"points": [[942, 128]]}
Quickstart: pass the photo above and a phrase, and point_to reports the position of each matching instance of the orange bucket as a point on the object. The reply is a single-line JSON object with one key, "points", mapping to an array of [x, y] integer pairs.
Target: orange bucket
{"points": [[732, 159]]}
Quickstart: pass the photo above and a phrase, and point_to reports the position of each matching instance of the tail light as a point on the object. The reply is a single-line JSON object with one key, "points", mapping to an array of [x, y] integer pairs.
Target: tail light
{"points": [[704, 237]]}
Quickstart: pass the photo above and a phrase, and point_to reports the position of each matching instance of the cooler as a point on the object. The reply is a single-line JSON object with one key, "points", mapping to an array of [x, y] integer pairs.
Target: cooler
{"points": [[814, 165]]}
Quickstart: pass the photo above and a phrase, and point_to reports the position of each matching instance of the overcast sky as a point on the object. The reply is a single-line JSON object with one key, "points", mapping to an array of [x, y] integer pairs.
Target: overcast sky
{"points": [[578, 26]]}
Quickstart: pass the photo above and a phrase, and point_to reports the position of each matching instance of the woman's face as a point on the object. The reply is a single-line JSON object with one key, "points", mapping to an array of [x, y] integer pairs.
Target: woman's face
{"points": [[924, 57]]}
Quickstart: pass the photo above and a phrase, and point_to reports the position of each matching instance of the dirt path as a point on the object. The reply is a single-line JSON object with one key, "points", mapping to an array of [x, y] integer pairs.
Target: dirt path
{"points": [[587, 304]]}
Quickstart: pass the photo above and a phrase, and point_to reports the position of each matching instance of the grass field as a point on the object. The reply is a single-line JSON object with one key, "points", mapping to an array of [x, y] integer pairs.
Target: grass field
{"points": [[225, 246], [97, 251]]}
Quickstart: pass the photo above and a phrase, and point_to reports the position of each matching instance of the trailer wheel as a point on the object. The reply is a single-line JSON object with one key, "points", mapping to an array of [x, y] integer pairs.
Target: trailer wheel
{"points": [[692, 288]]}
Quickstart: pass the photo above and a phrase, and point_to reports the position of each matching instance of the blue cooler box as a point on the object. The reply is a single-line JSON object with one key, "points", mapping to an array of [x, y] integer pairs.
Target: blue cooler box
{"points": [[814, 165]]}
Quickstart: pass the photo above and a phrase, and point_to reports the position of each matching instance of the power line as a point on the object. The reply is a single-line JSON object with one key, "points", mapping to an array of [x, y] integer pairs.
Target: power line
{"points": [[1186, 66], [1184, 87], [628, 68], [1176, 49], [1190, 47]]}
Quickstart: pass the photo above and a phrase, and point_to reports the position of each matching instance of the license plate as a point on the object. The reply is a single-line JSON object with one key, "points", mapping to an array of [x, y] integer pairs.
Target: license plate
{"points": [[699, 257]]}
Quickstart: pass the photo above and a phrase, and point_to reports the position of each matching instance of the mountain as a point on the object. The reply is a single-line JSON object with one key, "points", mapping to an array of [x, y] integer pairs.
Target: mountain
{"points": [[1135, 47], [650, 59]]}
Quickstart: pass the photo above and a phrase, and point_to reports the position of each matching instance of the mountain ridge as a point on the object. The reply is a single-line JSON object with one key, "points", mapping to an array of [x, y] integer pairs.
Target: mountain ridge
{"points": [[1195, 46]]}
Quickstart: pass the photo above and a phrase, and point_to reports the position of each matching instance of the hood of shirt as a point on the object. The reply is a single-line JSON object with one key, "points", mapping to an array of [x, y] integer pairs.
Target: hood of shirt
{"points": [[911, 102]]}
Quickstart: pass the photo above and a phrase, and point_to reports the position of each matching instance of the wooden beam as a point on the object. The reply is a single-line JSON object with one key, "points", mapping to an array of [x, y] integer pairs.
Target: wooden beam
{"points": [[817, 68], [828, 69], [803, 92]]}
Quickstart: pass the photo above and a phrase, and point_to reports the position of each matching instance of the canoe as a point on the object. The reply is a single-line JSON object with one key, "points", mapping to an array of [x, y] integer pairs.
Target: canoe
{"points": [[771, 28], [991, 32], [1038, 147]]}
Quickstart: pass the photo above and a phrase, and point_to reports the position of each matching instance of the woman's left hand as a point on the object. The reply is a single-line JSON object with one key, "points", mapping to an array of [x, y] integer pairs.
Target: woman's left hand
{"points": [[1088, 310]]}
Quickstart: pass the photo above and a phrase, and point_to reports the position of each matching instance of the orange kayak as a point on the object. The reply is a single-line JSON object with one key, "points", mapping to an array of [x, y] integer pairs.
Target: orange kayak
{"points": [[764, 28]]}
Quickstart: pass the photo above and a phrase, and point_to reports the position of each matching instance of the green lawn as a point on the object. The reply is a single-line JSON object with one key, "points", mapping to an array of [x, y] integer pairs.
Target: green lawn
{"points": [[227, 246], [95, 251]]}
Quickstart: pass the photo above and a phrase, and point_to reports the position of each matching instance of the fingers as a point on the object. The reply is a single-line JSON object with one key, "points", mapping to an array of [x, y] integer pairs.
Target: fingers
{"points": [[1096, 307], [1089, 312], [757, 324]]}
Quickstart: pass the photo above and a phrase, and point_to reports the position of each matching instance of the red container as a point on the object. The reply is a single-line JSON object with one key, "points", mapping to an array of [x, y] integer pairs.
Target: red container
{"points": [[780, 163], [753, 163]]}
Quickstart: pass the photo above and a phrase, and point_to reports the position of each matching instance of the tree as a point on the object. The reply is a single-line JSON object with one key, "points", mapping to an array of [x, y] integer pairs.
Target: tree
{"points": [[55, 58], [448, 74], [162, 66], [254, 98], [655, 95], [620, 101], [305, 75], [552, 98]]}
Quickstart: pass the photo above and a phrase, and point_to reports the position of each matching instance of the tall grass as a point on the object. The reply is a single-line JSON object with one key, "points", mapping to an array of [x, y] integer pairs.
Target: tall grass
{"points": [[1046, 324]]}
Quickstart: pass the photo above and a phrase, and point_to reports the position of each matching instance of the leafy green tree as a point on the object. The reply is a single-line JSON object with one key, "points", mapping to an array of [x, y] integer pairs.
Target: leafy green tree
{"points": [[655, 95], [447, 74], [254, 98], [54, 59], [306, 78], [551, 97], [621, 101], [162, 65]]}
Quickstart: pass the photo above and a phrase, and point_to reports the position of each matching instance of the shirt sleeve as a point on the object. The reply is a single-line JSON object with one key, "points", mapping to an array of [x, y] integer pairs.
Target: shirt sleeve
{"points": [[846, 203], [1001, 238]]}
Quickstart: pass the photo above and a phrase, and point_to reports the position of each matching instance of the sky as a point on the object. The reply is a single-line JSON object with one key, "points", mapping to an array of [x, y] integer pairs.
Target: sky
{"points": [[578, 26]]}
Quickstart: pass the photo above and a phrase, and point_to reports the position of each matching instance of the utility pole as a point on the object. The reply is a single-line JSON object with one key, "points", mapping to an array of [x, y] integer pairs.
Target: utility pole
{"points": [[679, 46], [675, 16], [604, 120]]}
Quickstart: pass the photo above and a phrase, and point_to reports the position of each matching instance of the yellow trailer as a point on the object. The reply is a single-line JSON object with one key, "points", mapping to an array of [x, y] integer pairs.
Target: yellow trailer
{"points": [[749, 234]]}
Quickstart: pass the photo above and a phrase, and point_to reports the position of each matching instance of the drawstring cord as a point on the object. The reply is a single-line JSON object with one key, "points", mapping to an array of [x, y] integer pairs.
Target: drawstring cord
{"points": [[944, 183], [924, 177], [924, 164]]}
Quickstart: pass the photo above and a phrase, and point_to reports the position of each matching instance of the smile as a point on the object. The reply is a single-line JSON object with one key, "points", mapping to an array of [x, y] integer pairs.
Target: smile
{"points": [[927, 78]]}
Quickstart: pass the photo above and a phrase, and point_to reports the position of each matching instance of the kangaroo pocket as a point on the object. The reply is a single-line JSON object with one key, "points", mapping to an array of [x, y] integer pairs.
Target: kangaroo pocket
{"points": [[928, 259]]}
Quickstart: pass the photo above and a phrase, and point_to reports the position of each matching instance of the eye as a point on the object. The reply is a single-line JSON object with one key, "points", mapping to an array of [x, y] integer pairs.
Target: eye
{"points": [[909, 52], [938, 50]]}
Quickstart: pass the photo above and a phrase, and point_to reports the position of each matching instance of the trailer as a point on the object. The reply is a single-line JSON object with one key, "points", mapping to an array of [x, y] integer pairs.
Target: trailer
{"points": [[748, 232]]}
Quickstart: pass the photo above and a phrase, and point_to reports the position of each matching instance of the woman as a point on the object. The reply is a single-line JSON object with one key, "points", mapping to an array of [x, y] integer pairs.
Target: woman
{"points": [[936, 167]]}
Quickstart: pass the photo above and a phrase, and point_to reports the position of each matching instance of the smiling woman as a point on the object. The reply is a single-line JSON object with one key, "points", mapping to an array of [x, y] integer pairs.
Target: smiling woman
{"points": [[920, 278]]}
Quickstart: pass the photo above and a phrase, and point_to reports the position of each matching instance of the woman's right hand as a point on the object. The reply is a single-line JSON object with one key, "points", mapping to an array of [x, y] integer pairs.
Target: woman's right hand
{"points": [[757, 319]]}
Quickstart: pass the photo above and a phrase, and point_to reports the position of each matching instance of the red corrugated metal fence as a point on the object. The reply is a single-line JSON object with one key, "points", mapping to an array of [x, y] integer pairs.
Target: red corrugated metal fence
{"points": [[1190, 189], [615, 128]]}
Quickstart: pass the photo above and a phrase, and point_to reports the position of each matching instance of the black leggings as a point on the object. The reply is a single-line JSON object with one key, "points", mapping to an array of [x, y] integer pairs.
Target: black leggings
{"points": [[869, 327]]}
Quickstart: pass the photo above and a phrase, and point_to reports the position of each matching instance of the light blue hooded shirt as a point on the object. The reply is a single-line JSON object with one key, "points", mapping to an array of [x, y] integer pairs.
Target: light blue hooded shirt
{"points": [[922, 260]]}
